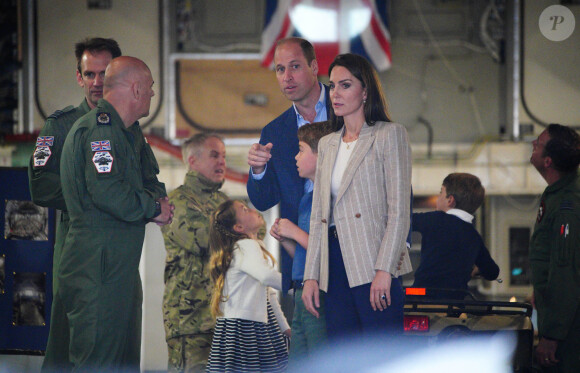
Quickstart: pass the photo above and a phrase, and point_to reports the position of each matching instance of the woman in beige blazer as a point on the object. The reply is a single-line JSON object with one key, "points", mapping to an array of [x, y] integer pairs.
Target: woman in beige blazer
{"points": [[360, 210]]}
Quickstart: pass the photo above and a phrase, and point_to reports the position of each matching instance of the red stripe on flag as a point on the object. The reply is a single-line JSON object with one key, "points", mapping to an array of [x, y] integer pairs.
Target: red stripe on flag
{"points": [[325, 53], [383, 42], [269, 58]]}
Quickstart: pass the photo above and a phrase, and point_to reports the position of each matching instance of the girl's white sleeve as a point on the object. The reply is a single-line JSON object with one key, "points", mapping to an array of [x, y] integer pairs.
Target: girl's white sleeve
{"points": [[252, 262], [273, 298]]}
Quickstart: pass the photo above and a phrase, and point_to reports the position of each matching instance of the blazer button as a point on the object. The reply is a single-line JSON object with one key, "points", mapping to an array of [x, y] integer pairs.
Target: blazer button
{"points": [[323, 221], [357, 215]]}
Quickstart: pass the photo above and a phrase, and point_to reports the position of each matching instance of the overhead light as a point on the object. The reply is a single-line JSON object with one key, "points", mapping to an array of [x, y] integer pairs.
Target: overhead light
{"points": [[318, 24]]}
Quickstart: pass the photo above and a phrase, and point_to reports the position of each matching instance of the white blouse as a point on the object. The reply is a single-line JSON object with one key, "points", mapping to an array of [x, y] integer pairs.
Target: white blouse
{"points": [[342, 158]]}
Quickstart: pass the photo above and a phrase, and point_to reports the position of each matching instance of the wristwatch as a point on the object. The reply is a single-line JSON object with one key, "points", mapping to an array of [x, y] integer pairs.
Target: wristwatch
{"points": [[157, 210]]}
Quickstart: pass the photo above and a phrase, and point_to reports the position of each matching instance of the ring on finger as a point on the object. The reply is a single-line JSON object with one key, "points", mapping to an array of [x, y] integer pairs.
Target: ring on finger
{"points": [[384, 297]]}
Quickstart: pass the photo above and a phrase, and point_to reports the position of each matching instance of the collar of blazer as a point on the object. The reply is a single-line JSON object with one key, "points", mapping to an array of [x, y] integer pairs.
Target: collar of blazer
{"points": [[366, 139]]}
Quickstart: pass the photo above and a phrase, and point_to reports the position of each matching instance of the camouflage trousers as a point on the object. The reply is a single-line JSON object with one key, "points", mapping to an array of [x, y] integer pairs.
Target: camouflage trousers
{"points": [[189, 353]]}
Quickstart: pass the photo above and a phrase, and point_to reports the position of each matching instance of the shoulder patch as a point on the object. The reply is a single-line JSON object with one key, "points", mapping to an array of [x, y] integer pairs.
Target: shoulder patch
{"points": [[41, 156], [103, 119], [103, 162], [58, 113]]}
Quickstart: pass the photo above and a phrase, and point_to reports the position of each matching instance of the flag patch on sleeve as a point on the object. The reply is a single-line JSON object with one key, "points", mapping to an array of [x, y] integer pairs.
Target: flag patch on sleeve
{"points": [[44, 141], [99, 146]]}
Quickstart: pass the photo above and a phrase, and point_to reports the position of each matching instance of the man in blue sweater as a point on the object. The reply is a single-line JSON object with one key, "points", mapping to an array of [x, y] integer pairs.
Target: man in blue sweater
{"points": [[451, 249]]}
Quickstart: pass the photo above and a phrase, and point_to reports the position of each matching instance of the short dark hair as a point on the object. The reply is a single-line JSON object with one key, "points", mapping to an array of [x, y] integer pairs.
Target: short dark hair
{"points": [[305, 45], [94, 45], [375, 107], [311, 133], [563, 147], [466, 189]]}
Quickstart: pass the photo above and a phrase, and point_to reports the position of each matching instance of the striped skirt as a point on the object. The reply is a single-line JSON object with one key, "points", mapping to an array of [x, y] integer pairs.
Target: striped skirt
{"points": [[248, 346]]}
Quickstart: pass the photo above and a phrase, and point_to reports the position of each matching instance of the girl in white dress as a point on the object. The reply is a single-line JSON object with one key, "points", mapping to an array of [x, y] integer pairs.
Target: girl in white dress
{"points": [[250, 325]]}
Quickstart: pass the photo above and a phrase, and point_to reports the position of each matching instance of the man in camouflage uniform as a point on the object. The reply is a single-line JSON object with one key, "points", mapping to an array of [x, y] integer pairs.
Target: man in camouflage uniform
{"points": [[93, 56], [188, 289], [555, 250]]}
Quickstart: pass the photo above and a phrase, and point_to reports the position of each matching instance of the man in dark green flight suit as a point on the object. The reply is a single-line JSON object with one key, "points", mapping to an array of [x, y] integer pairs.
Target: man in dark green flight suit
{"points": [[93, 55], [103, 184], [555, 250]]}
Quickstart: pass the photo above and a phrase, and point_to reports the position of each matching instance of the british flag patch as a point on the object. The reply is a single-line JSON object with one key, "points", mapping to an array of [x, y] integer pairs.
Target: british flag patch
{"points": [[99, 146], [44, 140]]}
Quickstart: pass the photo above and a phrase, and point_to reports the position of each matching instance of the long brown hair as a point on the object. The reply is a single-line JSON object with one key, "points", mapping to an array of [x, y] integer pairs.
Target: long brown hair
{"points": [[222, 243], [375, 107]]}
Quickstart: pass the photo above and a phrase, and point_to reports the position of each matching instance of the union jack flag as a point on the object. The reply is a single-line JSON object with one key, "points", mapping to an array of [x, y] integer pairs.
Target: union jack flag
{"points": [[332, 26], [44, 140], [99, 146]]}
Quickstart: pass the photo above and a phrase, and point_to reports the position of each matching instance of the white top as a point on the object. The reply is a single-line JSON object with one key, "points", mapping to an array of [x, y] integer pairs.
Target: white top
{"points": [[249, 282], [344, 152]]}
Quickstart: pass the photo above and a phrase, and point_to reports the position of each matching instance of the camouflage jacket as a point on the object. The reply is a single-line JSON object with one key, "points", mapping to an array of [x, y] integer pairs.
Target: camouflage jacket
{"points": [[188, 288]]}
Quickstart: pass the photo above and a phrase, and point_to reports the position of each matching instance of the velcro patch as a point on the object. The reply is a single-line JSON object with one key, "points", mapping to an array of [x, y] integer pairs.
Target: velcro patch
{"points": [[103, 118], [44, 141], [98, 146], [41, 156], [103, 162]]}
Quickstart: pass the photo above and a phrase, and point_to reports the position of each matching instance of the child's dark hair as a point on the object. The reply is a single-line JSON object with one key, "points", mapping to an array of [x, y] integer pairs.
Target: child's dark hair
{"points": [[222, 240], [311, 133], [466, 189]]}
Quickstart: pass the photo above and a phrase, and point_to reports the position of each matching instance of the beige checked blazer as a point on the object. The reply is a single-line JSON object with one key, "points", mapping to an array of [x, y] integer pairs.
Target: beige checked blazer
{"points": [[371, 210]]}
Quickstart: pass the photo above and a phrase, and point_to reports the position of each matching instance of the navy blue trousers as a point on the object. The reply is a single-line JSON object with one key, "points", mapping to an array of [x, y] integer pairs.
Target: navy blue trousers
{"points": [[349, 311]]}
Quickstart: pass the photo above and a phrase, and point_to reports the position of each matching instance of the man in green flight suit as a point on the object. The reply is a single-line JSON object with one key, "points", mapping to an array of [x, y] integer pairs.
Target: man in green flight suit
{"points": [[555, 250], [103, 184], [92, 55], [186, 302]]}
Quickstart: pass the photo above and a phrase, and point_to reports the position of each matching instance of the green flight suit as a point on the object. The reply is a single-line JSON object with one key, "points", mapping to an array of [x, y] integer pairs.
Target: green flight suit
{"points": [[103, 182], [555, 265], [45, 190], [186, 302], [44, 170]]}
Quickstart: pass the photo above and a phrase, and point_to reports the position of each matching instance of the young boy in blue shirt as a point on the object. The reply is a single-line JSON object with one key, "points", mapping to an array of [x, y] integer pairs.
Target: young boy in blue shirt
{"points": [[451, 249], [308, 332]]}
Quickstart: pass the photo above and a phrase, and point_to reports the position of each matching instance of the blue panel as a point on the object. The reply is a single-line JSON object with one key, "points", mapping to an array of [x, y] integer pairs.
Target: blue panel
{"points": [[28, 269]]}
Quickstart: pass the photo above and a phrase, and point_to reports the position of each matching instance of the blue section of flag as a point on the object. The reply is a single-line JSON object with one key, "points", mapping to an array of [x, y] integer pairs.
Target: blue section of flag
{"points": [[382, 6], [271, 6]]}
